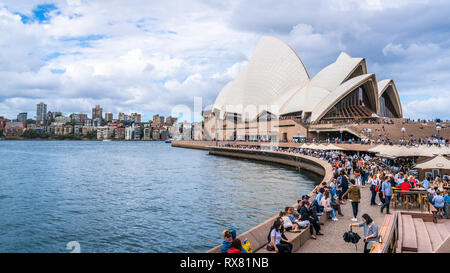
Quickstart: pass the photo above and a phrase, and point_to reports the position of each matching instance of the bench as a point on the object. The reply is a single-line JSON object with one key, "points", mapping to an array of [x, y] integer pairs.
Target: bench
{"points": [[297, 238], [384, 233]]}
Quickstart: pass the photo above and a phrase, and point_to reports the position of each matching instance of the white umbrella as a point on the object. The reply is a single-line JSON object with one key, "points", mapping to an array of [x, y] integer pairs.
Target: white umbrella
{"points": [[439, 162]]}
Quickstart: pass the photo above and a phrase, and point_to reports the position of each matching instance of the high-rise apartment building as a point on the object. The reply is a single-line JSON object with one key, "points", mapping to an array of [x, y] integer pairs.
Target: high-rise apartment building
{"points": [[97, 112], [109, 116], [41, 112]]}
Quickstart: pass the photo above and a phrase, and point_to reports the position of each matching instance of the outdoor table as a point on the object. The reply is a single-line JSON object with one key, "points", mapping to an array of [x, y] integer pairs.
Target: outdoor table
{"points": [[415, 193]]}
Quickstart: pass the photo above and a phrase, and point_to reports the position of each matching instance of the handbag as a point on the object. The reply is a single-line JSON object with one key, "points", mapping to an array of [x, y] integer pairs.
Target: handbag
{"points": [[269, 247]]}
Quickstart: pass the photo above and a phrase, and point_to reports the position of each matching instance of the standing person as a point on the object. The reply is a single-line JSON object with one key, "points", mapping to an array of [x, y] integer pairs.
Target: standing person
{"points": [[344, 185], [386, 189], [354, 194], [373, 182], [370, 231], [447, 204], [279, 244]]}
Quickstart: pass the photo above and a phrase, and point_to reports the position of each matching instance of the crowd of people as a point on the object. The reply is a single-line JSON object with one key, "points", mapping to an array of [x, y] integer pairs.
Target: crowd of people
{"points": [[350, 173]]}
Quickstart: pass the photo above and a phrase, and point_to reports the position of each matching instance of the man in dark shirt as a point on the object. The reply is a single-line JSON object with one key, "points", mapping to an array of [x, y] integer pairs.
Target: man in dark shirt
{"points": [[307, 215]]}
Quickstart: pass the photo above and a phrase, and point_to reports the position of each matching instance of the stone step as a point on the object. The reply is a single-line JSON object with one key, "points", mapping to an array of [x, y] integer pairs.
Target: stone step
{"points": [[423, 239], [409, 240], [443, 231], [433, 233]]}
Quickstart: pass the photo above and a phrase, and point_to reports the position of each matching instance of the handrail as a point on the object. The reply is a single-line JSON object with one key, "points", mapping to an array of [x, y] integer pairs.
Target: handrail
{"points": [[393, 229]]}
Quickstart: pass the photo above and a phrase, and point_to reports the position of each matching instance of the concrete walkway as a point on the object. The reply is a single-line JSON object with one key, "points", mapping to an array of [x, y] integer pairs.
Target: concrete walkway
{"points": [[332, 241]]}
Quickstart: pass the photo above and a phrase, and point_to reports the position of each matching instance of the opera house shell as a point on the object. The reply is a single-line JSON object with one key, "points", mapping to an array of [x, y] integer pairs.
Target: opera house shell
{"points": [[275, 81]]}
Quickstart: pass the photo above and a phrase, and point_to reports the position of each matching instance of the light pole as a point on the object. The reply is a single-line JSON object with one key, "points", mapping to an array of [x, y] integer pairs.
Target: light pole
{"points": [[341, 131], [438, 129]]}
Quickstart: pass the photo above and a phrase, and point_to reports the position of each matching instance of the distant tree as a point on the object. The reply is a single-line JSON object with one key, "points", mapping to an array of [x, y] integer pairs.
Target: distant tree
{"points": [[31, 121], [91, 134], [1, 133]]}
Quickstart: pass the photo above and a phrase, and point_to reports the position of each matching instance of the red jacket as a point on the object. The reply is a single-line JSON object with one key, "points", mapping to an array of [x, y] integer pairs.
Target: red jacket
{"points": [[234, 250], [405, 186]]}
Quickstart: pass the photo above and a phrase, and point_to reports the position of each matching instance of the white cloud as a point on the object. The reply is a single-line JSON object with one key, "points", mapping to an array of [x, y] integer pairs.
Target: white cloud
{"points": [[148, 57]]}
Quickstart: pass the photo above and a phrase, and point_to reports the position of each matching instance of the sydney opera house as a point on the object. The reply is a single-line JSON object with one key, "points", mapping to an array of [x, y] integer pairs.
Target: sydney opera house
{"points": [[275, 86]]}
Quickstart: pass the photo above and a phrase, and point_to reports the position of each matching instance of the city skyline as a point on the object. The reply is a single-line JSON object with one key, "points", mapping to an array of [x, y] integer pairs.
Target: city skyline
{"points": [[72, 57]]}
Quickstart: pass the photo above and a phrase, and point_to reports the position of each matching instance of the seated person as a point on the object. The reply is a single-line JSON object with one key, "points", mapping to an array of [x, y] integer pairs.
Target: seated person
{"points": [[326, 203], [295, 218], [277, 240], [235, 246], [228, 236], [438, 200], [306, 214]]}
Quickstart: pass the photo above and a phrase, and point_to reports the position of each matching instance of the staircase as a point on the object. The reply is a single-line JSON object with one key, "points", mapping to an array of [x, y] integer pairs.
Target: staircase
{"points": [[422, 236]]}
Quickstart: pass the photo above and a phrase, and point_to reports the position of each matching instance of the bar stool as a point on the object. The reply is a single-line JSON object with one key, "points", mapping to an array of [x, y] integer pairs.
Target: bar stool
{"points": [[406, 202], [440, 212]]}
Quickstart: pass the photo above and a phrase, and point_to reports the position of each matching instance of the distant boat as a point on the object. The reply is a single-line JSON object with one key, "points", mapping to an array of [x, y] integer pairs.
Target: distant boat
{"points": [[169, 141], [107, 140]]}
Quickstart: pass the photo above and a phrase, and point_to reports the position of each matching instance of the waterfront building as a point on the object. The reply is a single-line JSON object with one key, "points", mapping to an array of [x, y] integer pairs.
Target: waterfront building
{"points": [[147, 134], [155, 135], [119, 133], [163, 134], [174, 131], [273, 96], [137, 133], [86, 129], [97, 112], [78, 129], [14, 128], [186, 133], [129, 130], [22, 117], [57, 129], [68, 129], [41, 113], [105, 132]]}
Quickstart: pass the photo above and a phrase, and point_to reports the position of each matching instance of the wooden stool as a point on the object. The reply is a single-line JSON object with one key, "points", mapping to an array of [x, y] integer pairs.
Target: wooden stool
{"points": [[406, 202], [440, 212]]}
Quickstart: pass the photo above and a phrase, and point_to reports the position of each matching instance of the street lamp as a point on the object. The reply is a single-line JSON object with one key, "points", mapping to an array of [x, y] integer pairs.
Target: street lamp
{"points": [[438, 129], [341, 131]]}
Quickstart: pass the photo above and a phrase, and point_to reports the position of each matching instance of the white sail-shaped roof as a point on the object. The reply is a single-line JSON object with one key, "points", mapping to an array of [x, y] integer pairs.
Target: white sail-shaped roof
{"points": [[273, 70], [275, 76], [389, 84]]}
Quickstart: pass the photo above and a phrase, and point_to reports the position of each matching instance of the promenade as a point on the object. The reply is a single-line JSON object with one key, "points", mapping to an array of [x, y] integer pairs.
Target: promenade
{"points": [[332, 241]]}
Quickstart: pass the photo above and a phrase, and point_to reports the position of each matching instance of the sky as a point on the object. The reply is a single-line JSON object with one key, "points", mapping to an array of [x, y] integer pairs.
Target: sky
{"points": [[150, 56]]}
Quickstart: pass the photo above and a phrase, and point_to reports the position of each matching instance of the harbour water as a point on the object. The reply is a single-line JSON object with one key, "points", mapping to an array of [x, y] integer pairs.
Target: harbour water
{"points": [[133, 196]]}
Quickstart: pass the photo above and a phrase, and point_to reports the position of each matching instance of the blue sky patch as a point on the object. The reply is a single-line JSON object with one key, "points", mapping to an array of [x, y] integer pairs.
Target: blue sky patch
{"points": [[58, 71], [40, 14]]}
